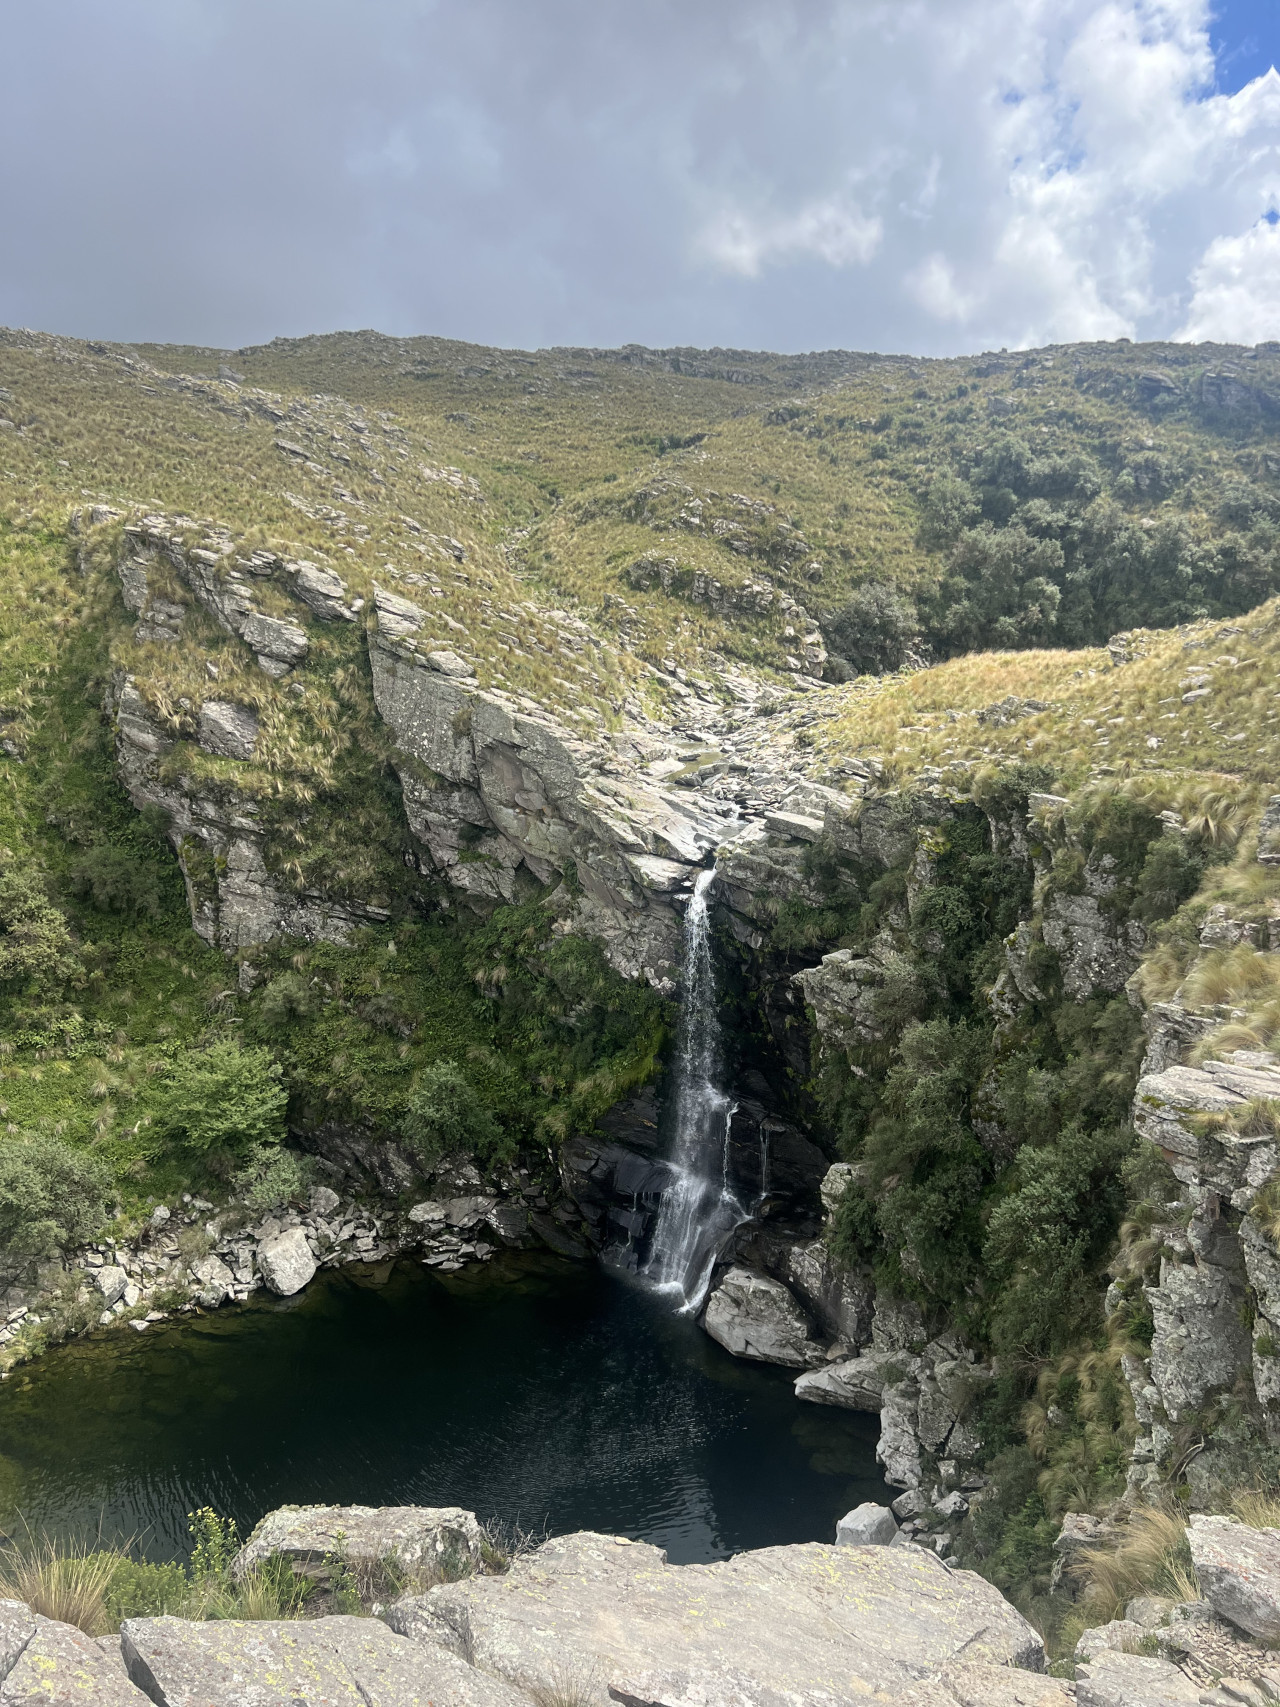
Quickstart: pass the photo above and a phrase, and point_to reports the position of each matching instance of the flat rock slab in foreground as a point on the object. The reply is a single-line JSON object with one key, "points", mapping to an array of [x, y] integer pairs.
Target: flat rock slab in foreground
{"points": [[56, 1665], [988, 1686], [312, 1536], [1239, 1572], [804, 1620], [328, 1662], [1113, 1679]]}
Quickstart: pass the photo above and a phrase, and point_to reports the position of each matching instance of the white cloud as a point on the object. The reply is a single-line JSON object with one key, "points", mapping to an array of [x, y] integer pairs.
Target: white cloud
{"points": [[833, 230], [1033, 171], [929, 175], [1237, 289], [934, 286]]}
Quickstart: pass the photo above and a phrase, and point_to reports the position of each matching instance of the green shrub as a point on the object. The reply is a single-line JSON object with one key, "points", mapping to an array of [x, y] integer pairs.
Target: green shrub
{"points": [[285, 1000], [1049, 1235], [117, 882], [1170, 875], [223, 1099], [446, 1117], [139, 1589], [874, 630], [37, 953], [271, 1176], [51, 1195]]}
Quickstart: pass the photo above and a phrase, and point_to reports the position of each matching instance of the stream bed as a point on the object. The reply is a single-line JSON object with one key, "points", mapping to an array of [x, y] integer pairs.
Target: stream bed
{"points": [[538, 1393]]}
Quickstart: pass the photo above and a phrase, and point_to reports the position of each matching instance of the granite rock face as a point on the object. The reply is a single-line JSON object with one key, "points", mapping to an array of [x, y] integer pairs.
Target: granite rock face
{"points": [[1115, 1679], [1217, 1257], [976, 1685], [229, 730], [848, 1621], [502, 800], [322, 1661], [413, 1536], [235, 900]]}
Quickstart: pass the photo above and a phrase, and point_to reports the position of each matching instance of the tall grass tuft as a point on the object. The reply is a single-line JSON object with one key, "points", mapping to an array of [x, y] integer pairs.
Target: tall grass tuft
{"points": [[1152, 1558], [67, 1581]]}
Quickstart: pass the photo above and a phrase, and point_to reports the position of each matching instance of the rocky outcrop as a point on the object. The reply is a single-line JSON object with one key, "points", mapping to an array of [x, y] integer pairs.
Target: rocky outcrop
{"points": [[313, 1538], [57, 1665], [756, 1317], [236, 901], [596, 1619], [1215, 1256], [229, 582], [503, 800], [176, 1663], [851, 1621]]}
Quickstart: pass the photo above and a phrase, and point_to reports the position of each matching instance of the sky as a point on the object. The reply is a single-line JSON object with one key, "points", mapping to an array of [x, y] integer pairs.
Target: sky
{"points": [[933, 176]]}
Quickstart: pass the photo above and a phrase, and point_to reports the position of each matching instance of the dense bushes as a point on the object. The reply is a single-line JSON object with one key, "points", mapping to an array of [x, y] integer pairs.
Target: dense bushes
{"points": [[220, 1102], [445, 1117], [990, 1155], [50, 1195]]}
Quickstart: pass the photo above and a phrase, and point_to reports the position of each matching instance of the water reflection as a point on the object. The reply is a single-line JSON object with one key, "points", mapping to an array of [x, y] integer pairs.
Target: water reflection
{"points": [[540, 1393]]}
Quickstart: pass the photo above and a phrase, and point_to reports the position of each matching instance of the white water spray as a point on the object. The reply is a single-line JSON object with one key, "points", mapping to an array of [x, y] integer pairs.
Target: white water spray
{"points": [[698, 1206]]}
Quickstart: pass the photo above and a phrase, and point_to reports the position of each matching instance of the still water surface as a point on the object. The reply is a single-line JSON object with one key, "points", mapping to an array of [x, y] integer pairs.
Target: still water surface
{"points": [[539, 1393]]}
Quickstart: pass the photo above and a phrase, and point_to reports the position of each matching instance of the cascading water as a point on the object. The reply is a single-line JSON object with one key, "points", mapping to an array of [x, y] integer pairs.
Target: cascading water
{"points": [[698, 1206]]}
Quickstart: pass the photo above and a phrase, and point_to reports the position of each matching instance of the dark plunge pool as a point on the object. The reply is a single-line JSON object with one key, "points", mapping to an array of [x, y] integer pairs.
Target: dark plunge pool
{"points": [[535, 1392]]}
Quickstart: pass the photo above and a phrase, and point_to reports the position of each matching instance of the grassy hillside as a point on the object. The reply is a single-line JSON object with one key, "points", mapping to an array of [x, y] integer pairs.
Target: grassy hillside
{"points": [[1016, 500]]}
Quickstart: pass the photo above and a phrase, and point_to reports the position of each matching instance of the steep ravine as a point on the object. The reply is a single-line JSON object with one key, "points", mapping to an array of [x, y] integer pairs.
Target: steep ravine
{"points": [[948, 1003]]}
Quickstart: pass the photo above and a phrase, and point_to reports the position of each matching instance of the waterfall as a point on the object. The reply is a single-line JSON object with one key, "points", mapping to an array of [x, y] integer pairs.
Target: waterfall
{"points": [[698, 1206]]}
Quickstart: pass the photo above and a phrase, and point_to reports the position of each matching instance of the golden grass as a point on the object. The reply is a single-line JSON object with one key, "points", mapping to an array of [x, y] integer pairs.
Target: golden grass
{"points": [[1259, 1508], [1151, 1558], [65, 1581]]}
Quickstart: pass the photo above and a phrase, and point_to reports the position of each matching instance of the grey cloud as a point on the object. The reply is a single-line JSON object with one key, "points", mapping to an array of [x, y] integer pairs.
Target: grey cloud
{"points": [[219, 171]]}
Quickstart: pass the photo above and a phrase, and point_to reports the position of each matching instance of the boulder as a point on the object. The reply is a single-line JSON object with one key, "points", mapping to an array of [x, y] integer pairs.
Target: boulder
{"points": [[1113, 1679], [858, 1383], [867, 1525], [1239, 1572], [55, 1665], [753, 1316], [286, 1262], [277, 1664], [411, 1535], [850, 1621], [1121, 1636], [214, 1281], [111, 1281], [323, 1200]]}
